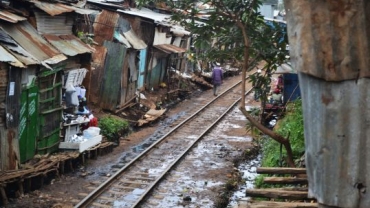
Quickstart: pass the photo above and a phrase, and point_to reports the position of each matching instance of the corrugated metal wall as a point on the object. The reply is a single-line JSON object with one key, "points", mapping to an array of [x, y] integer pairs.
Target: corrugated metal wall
{"points": [[3, 87], [336, 124], [57, 25], [329, 46], [110, 90]]}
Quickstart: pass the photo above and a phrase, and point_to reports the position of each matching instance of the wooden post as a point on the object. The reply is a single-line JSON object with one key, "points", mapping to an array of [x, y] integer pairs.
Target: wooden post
{"points": [[20, 187], [3, 194], [61, 167]]}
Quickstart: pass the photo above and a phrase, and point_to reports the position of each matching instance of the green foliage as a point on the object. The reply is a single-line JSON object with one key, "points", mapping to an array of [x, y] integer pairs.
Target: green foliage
{"points": [[113, 127], [290, 126]]}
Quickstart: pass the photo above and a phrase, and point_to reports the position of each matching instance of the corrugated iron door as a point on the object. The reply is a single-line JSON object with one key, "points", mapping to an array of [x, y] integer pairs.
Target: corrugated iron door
{"points": [[28, 123], [50, 115]]}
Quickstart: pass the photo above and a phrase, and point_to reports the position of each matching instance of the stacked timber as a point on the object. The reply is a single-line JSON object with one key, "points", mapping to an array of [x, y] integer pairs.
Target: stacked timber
{"points": [[293, 191], [42, 167]]}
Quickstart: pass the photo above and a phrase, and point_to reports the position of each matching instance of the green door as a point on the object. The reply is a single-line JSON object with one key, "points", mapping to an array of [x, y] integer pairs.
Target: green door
{"points": [[50, 111], [28, 123]]}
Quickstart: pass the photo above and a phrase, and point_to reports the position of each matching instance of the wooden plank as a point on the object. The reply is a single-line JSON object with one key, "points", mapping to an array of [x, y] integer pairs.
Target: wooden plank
{"points": [[268, 170], [277, 194], [133, 182], [269, 204], [124, 187], [285, 180], [101, 205]]}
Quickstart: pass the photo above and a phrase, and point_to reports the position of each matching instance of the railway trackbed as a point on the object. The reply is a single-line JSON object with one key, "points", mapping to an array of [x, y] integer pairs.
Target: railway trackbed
{"points": [[134, 182]]}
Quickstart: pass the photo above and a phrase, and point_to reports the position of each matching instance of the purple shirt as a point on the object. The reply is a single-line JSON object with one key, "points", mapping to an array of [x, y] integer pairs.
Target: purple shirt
{"points": [[217, 75]]}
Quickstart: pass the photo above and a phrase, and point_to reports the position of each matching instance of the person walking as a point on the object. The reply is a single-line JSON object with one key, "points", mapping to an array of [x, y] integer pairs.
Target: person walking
{"points": [[217, 77]]}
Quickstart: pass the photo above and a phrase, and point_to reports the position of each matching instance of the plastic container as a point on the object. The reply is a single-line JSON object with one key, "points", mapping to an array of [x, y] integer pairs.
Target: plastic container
{"points": [[91, 132], [83, 92], [96, 130]]}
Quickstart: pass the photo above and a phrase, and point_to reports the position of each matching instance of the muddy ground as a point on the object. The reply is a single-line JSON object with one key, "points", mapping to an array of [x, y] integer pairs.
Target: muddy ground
{"points": [[66, 190]]}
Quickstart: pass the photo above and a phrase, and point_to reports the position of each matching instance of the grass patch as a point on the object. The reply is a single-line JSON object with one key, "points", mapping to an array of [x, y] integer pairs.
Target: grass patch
{"points": [[290, 126]]}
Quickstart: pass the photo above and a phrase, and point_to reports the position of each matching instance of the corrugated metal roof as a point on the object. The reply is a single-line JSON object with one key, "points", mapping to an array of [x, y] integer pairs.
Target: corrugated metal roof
{"points": [[27, 37], [69, 45], [17, 50], [5, 56], [168, 48], [158, 18], [10, 17], [58, 8], [135, 41], [337, 142]]}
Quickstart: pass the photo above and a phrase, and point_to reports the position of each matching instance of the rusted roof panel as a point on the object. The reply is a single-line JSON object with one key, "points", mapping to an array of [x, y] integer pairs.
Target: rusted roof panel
{"points": [[10, 17], [17, 50], [52, 9], [5, 56], [105, 25], [58, 8], [69, 45], [27, 37], [135, 41], [169, 48]]}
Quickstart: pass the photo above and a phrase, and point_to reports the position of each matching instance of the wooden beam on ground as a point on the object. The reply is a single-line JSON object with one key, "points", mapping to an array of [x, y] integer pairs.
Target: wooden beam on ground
{"points": [[285, 180], [265, 170], [269, 204], [277, 194]]}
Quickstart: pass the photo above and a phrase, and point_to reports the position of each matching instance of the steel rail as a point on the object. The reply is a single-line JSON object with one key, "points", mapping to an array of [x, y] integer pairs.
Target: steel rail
{"points": [[101, 189]]}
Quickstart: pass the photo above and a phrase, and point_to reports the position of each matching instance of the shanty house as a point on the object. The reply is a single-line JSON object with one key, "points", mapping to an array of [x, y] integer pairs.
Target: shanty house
{"points": [[167, 43], [34, 88], [117, 62]]}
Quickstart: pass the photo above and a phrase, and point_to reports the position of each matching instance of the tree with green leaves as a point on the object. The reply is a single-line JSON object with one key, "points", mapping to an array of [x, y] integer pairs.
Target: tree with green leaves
{"points": [[234, 30]]}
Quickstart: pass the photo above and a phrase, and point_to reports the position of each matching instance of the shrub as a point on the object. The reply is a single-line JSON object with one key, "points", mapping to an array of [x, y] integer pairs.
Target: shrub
{"points": [[113, 128], [291, 125]]}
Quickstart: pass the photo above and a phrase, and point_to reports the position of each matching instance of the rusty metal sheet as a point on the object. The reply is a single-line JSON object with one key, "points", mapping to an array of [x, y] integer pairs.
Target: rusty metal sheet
{"points": [[5, 56], [168, 48], [337, 142], [56, 25], [69, 45], [105, 25], [52, 9], [16, 50], [10, 17], [97, 71], [329, 39], [27, 37]]}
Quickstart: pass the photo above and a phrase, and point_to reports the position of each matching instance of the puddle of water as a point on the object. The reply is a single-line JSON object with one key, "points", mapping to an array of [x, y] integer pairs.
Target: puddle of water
{"points": [[249, 174]]}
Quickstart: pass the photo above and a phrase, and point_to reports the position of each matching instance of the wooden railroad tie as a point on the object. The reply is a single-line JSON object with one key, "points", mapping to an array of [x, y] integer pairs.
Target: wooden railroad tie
{"points": [[270, 204]]}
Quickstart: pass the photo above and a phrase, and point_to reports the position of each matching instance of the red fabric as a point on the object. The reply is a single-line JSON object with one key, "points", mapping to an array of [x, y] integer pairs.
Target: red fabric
{"points": [[93, 122]]}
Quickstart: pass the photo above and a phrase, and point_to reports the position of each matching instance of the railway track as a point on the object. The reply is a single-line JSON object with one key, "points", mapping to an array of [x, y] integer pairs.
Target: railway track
{"points": [[129, 186]]}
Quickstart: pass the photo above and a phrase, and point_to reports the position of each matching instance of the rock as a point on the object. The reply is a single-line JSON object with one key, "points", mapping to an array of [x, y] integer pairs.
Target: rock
{"points": [[84, 174], [187, 198]]}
